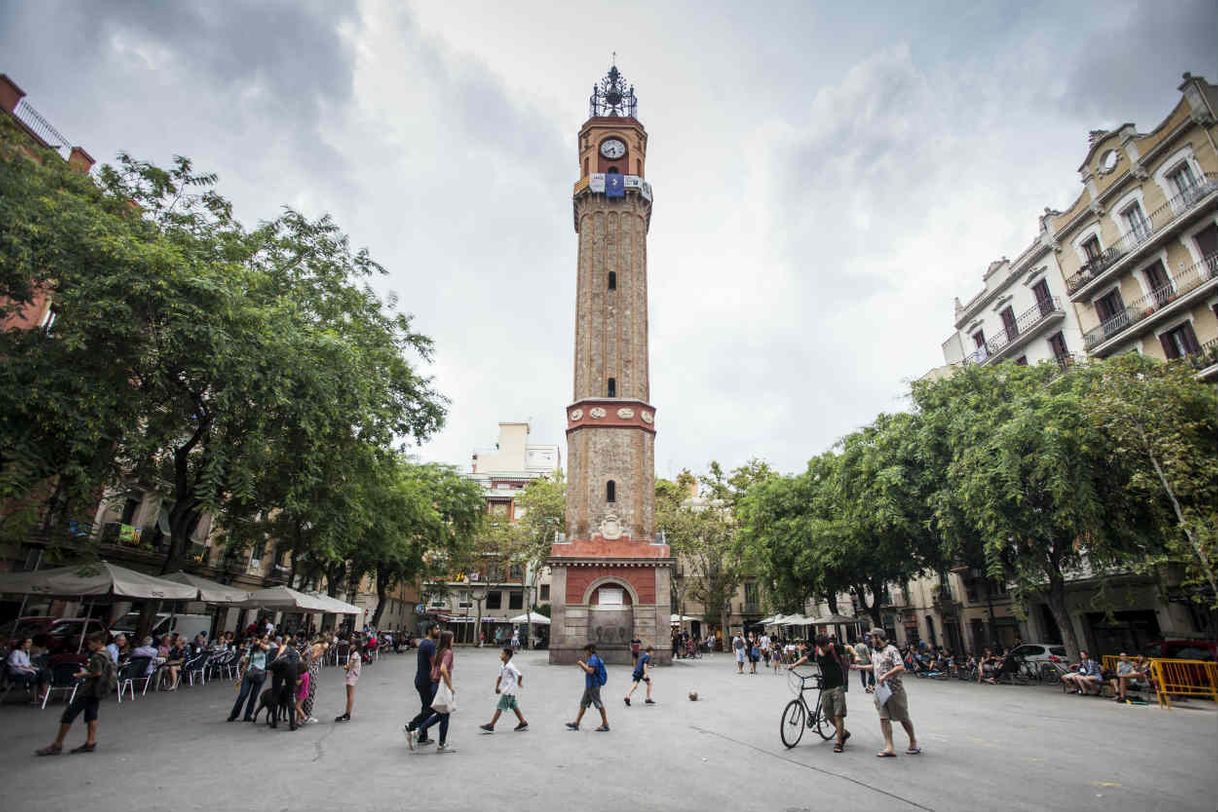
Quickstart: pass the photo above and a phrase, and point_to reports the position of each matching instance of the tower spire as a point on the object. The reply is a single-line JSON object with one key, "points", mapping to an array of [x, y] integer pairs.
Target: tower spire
{"points": [[613, 95]]}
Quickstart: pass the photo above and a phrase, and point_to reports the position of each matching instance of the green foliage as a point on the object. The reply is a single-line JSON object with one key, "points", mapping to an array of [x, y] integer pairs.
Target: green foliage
{"points": [[252, 374]]}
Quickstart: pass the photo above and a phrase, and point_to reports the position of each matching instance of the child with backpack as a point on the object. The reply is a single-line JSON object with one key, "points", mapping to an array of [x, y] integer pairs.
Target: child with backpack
{"points": [[509, 681], [595, 676]]}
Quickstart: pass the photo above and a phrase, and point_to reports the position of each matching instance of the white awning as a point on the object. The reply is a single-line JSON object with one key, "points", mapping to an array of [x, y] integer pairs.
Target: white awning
{"points": [[532, 617], [210, 591], [95, 579]]}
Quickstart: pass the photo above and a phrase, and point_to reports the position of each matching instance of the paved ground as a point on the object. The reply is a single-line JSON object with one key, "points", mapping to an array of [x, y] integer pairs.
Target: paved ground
{"points": [[986, 747]]}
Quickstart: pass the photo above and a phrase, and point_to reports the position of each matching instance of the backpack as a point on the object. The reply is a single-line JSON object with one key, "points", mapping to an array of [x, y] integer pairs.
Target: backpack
{"points": [[602, 676], [107, 683]]}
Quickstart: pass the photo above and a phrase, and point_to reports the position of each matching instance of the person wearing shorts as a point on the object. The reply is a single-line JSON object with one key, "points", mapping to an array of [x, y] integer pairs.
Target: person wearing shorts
{"points": [[888, 666], [642, 673], [832, 686], [510, 680], [592, 690], [97, 677], [738, 647]]}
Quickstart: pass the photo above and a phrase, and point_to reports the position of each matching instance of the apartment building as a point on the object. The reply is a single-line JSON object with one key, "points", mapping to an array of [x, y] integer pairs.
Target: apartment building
{"points": [[1139, 246], [1022, 313], [483, 600]]}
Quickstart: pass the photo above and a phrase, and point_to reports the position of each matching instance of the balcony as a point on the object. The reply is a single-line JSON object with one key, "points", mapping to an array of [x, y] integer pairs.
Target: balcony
{"points": [[1154, 306], [1149, 233], [1027, 325], [1205, 360]]}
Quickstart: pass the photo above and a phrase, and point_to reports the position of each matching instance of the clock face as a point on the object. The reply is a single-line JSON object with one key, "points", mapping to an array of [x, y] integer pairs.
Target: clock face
{"points": [[613, 148]]}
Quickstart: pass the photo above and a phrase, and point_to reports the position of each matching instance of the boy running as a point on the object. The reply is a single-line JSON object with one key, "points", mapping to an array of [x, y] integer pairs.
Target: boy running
{"points": [[594, 671], [642, 673], [509, 681]]}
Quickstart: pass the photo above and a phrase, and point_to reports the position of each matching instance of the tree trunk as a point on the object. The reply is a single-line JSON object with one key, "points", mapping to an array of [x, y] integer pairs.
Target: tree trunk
{"points": [[831, 599], [1056, 598], [382, 590]]}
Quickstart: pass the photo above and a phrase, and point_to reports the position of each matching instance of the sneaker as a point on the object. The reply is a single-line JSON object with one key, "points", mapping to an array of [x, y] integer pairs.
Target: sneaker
{"points": [[603, 729], [521, 726], [572, 726], [410, 734], [342, 717], [488, 727], [649, 701], [444, 747], [312, 720], [626, 699], [423, 742]]}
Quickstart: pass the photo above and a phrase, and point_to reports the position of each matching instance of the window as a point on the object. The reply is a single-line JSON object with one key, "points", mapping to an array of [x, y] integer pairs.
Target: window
{"points": [[1160, 286], [494, 600], [1180, 342], [1043, 297], [613, 280], [611, 491], [1111, 310], [515, 600], [1091, 247], [543, 592], [1057, 343], [585, 167], [612, 387], [1008, 322], [979, 338], [1183, 181], [48, 321], [751, 595], [1135, 222]]}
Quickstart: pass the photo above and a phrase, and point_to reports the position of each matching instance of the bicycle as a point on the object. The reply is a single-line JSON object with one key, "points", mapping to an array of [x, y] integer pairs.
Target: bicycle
{"points": [[797, 715]]}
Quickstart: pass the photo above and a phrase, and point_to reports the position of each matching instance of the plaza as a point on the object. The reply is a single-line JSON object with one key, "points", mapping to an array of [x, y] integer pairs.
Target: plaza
{"points": [[984, 747]]}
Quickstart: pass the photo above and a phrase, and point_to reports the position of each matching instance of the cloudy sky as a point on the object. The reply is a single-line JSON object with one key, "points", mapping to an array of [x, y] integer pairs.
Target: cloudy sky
{"points": [[827, 176]]}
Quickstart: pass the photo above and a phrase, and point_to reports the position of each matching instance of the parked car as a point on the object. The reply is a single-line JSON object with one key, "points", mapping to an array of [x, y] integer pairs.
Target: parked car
{"points": [[58, 635], [185, 625], [1038, 652], [1184, 650]]}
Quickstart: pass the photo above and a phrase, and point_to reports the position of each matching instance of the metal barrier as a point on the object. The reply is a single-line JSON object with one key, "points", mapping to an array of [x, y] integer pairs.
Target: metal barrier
{"points": [[1183, 678]]}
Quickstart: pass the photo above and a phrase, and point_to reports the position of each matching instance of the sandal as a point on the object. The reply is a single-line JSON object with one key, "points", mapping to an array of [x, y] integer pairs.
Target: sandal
{"points": [[85, 748], [913, 751], [49, 750], [837, 747], [885, 754]]}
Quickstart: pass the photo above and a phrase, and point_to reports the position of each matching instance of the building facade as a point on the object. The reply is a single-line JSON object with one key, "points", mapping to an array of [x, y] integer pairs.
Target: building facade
{"points": [[478, 604], [1139, 246], [610, 580], [1022, 314], [1130, 266]]}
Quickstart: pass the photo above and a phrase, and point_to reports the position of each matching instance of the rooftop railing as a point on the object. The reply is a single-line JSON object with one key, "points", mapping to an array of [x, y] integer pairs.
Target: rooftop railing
{"points": [[1144, 232], [1146, 306], [42, 129]]}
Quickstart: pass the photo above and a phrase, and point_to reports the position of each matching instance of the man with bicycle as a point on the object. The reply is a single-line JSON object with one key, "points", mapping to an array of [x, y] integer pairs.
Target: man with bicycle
{"points": [[832, 685]]}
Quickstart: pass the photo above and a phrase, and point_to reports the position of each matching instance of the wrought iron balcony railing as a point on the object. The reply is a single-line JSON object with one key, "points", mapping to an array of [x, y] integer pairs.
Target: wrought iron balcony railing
{"points": [[1144, 232], [1025, 322], [42, 129], [1146, 306]]}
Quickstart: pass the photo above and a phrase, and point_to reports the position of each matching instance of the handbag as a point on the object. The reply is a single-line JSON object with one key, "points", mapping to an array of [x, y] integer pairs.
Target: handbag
{"points": [[445, 701]]}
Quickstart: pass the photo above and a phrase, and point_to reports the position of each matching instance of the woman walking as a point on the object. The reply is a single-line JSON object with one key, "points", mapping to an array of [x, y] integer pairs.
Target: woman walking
{"points": [[441, 672], [252, 678], [313, 657]]}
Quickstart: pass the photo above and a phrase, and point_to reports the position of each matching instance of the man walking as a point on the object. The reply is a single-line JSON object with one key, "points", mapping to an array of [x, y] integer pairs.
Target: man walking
{"points": [[890, 699], [422, 680], [738, 647], [832, 686], [594, 679]]}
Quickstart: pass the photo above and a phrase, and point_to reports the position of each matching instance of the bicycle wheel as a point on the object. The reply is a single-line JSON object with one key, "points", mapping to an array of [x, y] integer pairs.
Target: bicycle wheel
{"points": [[791, 730], [824, 725]]}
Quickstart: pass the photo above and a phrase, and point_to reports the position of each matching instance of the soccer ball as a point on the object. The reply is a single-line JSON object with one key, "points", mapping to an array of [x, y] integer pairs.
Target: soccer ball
{"points": [[693, 696]]}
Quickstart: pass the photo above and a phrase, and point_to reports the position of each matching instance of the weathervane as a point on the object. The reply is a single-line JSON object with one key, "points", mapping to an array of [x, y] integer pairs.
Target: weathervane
{"points": [[613, 96]]}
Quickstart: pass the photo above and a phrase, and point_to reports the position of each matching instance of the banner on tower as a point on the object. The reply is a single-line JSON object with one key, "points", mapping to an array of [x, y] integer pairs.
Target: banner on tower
{"points": [[596, 182], [634, 182], [647, 191], [615, 185]]}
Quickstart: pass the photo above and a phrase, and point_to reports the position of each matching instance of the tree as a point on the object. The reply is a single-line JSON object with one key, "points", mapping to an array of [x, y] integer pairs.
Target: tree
{"points": [[701, 530], [1036, 479], [1163, 421]]}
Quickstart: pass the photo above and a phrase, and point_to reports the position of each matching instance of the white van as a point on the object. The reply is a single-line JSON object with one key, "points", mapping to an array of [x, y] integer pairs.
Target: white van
{"points": [[185, 625]]}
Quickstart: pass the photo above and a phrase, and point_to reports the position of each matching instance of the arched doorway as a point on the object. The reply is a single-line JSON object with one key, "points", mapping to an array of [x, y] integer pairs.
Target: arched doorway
{"points": [[611, 615]]}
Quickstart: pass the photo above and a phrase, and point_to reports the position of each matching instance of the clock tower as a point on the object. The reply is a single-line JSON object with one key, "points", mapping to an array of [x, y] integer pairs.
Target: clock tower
{"points": [[610, 577]]}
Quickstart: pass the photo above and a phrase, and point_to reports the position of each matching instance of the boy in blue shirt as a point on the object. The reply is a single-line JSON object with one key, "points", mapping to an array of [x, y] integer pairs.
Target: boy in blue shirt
{"points": [[594, 678], [642, 673]]}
